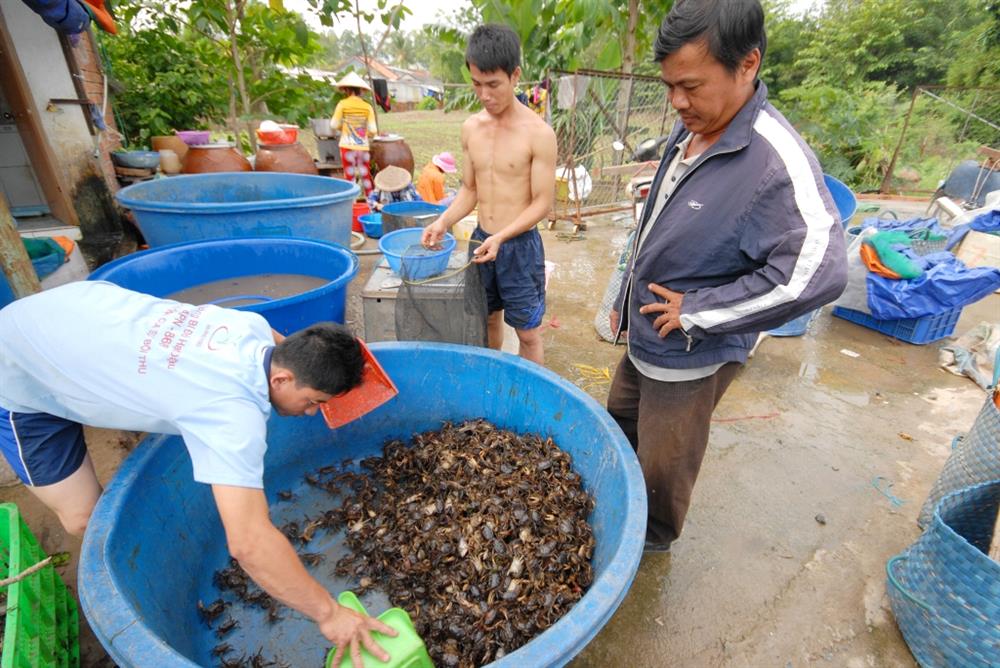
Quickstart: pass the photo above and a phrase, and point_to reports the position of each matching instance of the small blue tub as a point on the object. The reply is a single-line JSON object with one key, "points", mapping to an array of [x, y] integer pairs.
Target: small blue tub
{"points": [[169, 269], [420, 263], [242, 204], [155, 537], [372, 224]]}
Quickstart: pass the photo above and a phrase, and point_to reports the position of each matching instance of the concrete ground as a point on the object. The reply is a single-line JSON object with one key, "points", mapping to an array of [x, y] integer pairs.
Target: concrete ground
{"points": [[782, 559]]}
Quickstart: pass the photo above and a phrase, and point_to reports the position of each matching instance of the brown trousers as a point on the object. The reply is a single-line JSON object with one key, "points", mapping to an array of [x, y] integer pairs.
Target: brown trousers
{"points": [[667, 425]]}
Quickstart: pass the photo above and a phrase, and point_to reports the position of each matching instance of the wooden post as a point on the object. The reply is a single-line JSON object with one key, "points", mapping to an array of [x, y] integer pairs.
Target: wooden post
{"points": [[14, 260]]}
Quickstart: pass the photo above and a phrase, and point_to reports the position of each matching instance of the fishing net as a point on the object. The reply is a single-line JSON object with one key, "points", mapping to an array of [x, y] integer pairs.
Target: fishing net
{"points": [[441, 298]]}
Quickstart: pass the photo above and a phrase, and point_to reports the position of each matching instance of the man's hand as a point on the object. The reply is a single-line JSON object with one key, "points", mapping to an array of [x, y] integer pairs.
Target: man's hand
{"points": [[433, 234], [669, 309], [487, 250], [348, 630]]}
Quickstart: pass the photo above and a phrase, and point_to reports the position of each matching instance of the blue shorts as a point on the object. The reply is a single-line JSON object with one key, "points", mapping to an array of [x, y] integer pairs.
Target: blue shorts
{"points": [[42, 449], [515, 280]]}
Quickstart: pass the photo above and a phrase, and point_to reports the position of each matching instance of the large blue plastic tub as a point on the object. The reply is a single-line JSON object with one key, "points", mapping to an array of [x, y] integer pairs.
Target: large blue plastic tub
{"points": [[242, 204], [843, 198], [169, 269], [155, 537]]}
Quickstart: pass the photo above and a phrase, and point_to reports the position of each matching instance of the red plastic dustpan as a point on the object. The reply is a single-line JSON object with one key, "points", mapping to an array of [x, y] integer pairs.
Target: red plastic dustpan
{"points": [[375, 389]]}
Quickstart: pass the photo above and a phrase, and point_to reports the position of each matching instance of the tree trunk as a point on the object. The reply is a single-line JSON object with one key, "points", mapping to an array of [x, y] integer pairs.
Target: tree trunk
{"points": [[234, 16], [15, 264]]}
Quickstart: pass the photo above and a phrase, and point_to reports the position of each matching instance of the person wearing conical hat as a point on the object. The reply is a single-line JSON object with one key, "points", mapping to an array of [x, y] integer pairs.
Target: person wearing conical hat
{"points": [[430, 185], [356, 120], [392, 184]]}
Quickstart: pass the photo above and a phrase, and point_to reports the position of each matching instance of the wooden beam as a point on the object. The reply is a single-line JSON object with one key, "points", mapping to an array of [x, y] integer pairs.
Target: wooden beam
{"points": [[629, 169], [14, 260], [15, 88]]}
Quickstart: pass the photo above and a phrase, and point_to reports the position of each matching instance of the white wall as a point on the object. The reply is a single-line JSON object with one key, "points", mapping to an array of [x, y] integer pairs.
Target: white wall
{"points": [[44, 65]]}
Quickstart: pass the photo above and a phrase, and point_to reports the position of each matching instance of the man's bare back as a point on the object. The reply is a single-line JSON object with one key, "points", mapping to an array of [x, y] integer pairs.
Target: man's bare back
{"points": [[501, 152]]}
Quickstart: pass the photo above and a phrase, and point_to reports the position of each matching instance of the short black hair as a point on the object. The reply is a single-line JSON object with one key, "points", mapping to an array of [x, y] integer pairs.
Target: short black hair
{"points": [[494, 47], [732, 29], [324, 356], [350, 90]]}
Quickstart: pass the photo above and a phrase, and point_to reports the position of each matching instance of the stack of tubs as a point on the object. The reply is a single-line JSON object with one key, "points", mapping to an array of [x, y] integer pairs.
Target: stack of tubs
{"points": [[204, 228]]}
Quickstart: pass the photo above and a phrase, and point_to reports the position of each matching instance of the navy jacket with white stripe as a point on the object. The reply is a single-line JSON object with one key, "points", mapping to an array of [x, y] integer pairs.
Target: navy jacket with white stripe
{"points": [[750, 235]]}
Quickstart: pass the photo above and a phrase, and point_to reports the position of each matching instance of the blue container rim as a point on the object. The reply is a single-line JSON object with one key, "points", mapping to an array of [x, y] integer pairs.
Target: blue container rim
{"points": [[135, 645], [127, 196], [102, 272], [448, 242]]}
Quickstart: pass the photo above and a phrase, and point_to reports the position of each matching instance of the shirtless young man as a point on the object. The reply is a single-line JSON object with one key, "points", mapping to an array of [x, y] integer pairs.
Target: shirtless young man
{"points": [[509, 171]]}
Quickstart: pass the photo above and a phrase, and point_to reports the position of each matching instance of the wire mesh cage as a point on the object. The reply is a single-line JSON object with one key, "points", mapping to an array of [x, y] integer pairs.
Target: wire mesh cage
{"points": [[601, 120]]}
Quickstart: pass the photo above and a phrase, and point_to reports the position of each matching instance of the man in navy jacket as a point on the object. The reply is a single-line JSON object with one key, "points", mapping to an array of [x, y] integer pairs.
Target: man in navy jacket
{"points": [[739, 235]]}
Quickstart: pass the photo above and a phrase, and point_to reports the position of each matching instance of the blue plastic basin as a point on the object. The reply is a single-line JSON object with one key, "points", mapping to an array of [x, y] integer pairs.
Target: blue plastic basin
{"points": [[241, 204], [372, 224], [400, 215], [169, 269], [419, 264], [155, 537]]}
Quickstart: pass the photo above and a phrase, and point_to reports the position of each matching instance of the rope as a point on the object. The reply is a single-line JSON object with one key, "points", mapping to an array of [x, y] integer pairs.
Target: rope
{"points": [[595, 377], [893, 499]]}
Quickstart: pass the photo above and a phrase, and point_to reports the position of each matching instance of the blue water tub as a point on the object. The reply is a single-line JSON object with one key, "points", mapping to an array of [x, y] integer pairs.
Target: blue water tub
{"points": [[169, 269], [843, 198], [423, 263], [241, 204], [846, 204], [155, 538]]}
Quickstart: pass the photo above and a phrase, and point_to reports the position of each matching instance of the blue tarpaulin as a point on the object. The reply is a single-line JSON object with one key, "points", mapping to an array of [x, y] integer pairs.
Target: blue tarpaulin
{"points": [[988, 222], [945, 285]]}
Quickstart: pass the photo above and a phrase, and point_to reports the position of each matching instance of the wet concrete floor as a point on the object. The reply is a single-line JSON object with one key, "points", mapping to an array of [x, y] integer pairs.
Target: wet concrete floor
{"points": [[843, 424]]}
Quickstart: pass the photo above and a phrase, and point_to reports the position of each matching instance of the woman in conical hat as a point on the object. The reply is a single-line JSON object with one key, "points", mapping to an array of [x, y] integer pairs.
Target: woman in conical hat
{"points": [[356, 120]]}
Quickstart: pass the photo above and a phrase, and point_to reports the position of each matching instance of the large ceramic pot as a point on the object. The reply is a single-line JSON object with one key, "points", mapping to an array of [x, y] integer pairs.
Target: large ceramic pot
{"points": [[391, 150], [169, 143], [284, 158], [214, 158]]}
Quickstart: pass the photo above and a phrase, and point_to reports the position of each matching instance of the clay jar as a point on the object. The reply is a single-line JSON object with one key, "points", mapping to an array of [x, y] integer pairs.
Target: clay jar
{"points": [[214, 158], [171, 142], [391, 150], [284, 158]]}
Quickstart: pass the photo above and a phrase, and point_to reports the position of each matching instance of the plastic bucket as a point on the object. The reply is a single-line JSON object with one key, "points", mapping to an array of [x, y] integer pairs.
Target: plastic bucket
{"points": [[400, 215], [359, 209], [421, 263], [153, 517], [372, 224], [169, 269], [241, 204], [843, 198]]}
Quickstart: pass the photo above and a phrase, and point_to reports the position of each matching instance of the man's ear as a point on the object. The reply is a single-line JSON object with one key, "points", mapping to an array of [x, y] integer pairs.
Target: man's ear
{"points": [[280, 376], [515, 75]]}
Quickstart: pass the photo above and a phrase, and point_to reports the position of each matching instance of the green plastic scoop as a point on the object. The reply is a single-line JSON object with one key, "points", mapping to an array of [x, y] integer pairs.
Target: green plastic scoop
{"points": [[406, 650]]}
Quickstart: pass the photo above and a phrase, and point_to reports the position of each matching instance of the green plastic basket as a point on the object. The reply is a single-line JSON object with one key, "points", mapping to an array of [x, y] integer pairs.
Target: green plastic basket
{"points": [[42, 625]]}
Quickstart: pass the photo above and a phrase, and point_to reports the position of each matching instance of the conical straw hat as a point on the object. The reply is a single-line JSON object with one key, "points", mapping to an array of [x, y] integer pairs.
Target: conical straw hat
{"points": [[352, 80]]}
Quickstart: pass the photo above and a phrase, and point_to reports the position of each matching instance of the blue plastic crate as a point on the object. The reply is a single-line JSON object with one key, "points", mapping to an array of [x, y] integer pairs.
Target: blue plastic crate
{"points": [[912, 330]]}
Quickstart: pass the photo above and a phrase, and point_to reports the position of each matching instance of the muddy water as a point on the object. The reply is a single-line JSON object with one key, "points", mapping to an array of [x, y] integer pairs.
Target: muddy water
{"points": [[246, 290]]}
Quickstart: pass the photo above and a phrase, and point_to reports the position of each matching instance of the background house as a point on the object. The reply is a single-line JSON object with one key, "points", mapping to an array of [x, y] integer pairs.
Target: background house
{"points": [[406, 87]]}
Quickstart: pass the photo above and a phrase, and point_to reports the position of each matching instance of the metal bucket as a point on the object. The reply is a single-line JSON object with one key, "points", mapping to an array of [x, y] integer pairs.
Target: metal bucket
{"points": [[400, 215]]}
